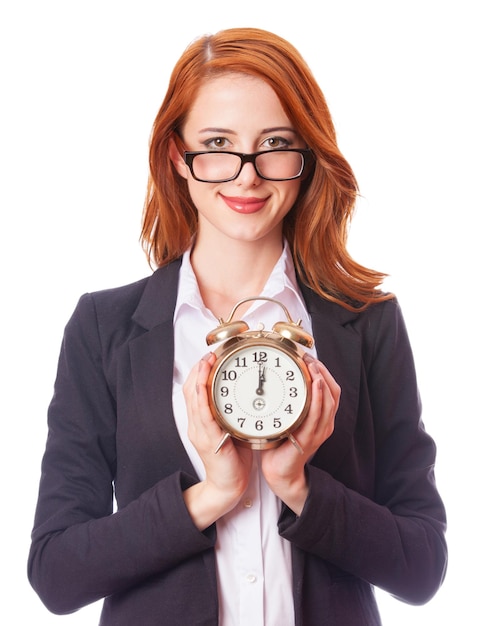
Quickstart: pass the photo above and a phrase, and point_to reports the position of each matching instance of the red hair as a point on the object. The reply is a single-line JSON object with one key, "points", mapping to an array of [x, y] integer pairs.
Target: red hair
{"points": [[316, 227]]}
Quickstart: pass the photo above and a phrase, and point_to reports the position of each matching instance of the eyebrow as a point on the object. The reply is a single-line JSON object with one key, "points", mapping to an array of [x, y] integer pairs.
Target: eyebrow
{"points": [[277, 128], [228, 131]]}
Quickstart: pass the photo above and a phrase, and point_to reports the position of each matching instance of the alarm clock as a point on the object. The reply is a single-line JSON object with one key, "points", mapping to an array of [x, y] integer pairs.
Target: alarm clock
{"points": [[259, 386]]}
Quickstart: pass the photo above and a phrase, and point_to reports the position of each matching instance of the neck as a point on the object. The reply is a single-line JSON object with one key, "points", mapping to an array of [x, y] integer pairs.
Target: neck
{"points": [[228, 273]]}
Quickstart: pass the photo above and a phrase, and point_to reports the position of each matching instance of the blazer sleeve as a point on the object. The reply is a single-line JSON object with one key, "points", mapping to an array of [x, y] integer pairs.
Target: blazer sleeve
{"points": [[81, 551], [394, 537]]}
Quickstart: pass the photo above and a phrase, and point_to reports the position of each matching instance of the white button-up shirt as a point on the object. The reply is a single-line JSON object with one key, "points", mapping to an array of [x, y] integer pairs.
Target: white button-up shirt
{"points": [[253, 561]]}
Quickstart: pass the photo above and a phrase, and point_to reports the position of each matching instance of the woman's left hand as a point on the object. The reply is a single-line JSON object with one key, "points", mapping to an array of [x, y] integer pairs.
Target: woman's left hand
{"points": [[284, 467]]}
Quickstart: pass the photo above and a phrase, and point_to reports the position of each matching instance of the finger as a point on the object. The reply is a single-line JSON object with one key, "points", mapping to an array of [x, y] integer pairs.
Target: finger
{"points": [[330, 382], [201, 423], [319, 423], [197, 378], [324, 378], [201, 390]]}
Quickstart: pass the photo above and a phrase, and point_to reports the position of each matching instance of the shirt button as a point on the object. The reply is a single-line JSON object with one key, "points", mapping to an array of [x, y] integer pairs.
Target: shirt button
{"points": [[248, 503], [251, 578]]}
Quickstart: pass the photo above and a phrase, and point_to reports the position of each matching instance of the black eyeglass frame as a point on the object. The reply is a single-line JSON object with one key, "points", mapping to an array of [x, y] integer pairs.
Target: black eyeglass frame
{"points": [[306, 153]]}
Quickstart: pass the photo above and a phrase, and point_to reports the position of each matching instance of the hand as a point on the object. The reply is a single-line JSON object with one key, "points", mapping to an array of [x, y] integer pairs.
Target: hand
{"points": [[227, 472], [284, 467], [261, 380]]}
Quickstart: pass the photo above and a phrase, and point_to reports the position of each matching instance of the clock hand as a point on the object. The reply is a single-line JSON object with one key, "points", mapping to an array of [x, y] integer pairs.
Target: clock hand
{"points": [[261, 380]]}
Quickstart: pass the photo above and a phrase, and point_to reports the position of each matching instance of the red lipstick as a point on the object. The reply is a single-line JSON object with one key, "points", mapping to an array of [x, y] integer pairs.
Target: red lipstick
{"points": [[244, 204]]}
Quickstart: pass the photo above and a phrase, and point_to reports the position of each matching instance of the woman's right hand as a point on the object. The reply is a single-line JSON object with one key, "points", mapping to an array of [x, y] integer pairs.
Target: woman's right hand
{"points": [[227, 471]]}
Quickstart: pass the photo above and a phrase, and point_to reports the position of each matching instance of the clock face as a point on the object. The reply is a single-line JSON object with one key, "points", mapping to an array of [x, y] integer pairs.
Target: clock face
{"points": [[260, 390]]}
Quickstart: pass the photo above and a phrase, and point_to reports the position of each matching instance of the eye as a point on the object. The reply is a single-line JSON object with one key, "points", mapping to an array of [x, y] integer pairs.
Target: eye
{"points": [[217, 143], [274, 143]]}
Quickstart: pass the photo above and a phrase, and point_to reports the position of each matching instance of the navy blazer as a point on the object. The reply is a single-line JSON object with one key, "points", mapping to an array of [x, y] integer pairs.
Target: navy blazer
{"points": [[373, 516]]}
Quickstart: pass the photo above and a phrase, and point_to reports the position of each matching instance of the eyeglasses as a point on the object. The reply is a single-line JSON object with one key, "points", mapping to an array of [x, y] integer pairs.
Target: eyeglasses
{"points": [[221, 167]]}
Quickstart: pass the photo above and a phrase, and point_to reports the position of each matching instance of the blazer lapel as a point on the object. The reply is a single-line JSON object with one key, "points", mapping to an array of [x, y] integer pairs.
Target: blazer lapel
{"points": [[339, 349], [152, 355]]}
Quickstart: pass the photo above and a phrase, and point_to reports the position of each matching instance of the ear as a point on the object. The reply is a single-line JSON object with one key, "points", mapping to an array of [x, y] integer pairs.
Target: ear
{"points": [[177, 159]]}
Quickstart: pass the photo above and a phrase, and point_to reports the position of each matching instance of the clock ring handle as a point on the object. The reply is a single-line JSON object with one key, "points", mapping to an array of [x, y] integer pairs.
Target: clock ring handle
{"points": [[289, 329], [254, 298]]}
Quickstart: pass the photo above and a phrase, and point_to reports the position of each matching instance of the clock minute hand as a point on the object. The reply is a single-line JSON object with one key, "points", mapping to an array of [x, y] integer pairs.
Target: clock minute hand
{"points": [[261, 380]]}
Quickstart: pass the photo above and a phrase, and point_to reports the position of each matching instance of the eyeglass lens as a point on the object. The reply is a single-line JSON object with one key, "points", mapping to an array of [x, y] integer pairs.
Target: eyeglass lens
{"points": [[275, 165]]}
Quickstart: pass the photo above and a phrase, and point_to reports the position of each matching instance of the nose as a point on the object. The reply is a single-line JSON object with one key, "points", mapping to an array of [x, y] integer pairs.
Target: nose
{"points": [[248, 176]]}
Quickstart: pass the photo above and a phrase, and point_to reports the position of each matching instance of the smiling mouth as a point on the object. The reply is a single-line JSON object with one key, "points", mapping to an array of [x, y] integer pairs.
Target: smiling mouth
{"points": [[244, 204]]}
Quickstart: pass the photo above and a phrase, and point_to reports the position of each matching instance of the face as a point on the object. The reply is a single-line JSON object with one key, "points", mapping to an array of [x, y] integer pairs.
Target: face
{"points": [[239, 113]]}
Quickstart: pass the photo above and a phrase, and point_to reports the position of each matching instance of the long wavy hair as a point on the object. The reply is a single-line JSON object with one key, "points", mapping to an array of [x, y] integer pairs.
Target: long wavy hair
{"points": [[317, 225]]}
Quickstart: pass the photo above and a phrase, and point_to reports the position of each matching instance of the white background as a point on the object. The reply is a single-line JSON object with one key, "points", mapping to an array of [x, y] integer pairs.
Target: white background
{"points": [[81, 83]]}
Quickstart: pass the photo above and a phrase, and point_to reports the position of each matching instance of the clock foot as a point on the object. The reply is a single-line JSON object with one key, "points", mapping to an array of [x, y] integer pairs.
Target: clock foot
{"points": [[295, 443], [222, 442]]}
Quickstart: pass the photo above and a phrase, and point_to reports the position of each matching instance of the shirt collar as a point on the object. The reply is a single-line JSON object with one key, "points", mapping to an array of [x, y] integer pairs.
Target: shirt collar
{"points": [[283, 276], [188, 289]]}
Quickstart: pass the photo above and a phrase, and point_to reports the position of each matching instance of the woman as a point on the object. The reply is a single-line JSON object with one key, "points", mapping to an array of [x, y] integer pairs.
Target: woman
{"points": [[297, 534]]}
